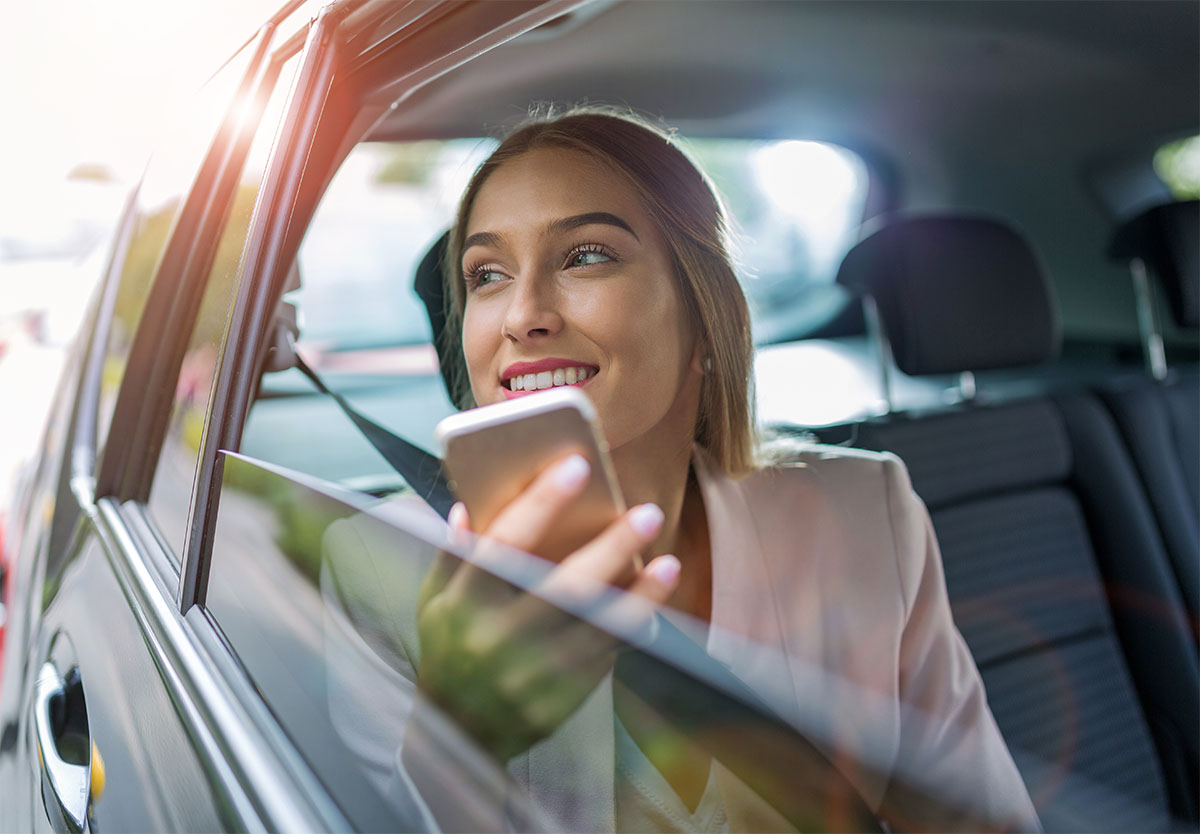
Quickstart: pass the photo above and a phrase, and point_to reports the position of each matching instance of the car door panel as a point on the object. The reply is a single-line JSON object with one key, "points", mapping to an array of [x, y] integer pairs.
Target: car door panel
{"points": [[154, 779]]}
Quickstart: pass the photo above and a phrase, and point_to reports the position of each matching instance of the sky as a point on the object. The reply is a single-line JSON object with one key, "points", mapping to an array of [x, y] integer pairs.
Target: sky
{"points": [[83, 82], [92, 80]]}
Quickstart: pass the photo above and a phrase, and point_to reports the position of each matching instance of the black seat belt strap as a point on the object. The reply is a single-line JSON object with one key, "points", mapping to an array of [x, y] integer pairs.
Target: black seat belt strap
{"points": [[422, 470]]}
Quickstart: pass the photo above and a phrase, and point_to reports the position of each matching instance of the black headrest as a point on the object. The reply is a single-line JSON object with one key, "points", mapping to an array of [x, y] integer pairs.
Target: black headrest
{"points": [[430, 289], [1167, 239], [955, 293]]}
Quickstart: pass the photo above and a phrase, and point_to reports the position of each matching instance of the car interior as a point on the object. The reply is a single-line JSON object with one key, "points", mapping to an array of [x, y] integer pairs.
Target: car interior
{"points": [[1011, 309]]}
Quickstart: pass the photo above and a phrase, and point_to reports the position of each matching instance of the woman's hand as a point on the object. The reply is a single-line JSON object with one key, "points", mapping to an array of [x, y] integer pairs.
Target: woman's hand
{"points": [[508, 667]]}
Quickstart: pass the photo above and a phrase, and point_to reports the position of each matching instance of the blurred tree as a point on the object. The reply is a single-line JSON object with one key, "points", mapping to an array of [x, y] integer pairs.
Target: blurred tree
{"points": [[409, 163], [92, 172]]}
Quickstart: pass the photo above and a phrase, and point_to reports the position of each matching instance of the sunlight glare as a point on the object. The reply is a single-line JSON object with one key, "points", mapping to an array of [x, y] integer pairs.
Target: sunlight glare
{"points": [[809, 180]]}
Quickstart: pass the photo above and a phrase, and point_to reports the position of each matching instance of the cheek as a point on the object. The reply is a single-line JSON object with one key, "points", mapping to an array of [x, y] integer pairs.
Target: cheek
{"points": [[479, 338], [660, 329]]}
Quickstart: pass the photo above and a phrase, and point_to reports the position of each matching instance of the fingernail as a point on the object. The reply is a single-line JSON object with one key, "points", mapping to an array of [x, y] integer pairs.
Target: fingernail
{"points": [[572, 472], [646, 519], [458, 516], [665, 570]]}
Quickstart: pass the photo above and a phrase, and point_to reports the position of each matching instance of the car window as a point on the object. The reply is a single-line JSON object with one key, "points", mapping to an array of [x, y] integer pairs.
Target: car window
{"points": [[359, 321], [169, 176], [795, 208], [795, 205], [318, 593], [171, 491]]}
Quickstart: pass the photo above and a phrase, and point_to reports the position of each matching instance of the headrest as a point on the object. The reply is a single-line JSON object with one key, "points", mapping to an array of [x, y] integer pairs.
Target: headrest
{"points": [[1167, 238], [955, 293], [427, 282]]}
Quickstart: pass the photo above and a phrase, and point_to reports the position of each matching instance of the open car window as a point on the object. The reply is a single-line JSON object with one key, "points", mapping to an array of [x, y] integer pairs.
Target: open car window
{"points": [[361, 325]]}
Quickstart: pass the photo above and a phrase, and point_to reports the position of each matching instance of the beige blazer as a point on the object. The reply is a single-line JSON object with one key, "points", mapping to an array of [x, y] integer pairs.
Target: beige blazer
{"points": [[829, 600]]}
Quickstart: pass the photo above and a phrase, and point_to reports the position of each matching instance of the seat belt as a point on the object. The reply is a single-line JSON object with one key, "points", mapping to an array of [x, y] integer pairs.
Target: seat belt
{"points": [[422, 470]]}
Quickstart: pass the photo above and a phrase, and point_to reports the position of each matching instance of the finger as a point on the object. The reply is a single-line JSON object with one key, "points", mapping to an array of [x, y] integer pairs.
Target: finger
{"points": [[527, 519], [611, 557], [585, 599], [658, 580], [631, 613], [523, 523], [458, 519]]}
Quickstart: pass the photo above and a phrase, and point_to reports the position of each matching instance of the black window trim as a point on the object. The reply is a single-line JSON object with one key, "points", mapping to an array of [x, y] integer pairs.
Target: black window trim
{"points": [[258, 271]]}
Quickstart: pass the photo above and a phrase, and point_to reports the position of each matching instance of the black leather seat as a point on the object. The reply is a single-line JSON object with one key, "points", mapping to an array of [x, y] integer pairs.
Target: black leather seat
{"points": [[1056, 572], [1160, 418], [429, 287]]}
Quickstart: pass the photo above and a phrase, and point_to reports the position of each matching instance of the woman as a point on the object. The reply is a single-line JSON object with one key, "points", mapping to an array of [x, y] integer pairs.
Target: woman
{"points": [[589, 242]]}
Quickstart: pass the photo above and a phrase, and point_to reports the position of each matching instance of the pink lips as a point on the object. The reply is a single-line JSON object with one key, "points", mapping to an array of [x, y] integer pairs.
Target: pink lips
{"points": [[551, 364]]}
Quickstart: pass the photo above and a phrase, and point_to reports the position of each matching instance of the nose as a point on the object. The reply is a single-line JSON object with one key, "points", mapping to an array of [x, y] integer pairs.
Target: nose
{"points": [[532, 311]]}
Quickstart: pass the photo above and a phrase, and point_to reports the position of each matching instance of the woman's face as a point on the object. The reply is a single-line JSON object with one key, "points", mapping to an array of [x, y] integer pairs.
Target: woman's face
{"points": [[569, 281]]}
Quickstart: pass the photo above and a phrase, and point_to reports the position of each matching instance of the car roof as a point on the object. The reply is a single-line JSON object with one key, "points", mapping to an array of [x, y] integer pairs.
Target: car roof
{"points": [[897, 78]]}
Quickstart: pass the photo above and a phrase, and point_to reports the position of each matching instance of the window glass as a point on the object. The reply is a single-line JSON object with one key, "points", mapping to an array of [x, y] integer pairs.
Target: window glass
{"points": [[318, 593], [170, 495], [158, 202], [795, 206], [1178, 165]]}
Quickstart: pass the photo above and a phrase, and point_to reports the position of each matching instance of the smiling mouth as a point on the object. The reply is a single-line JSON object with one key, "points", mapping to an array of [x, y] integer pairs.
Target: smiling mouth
{"points": [[549, 379]]}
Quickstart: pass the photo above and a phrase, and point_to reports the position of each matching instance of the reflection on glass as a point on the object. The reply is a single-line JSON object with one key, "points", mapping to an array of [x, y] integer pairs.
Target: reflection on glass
{"points": [[168, 177], [399, 661], [171, 493]]}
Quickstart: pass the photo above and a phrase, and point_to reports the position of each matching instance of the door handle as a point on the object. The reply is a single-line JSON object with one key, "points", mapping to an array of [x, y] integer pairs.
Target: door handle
{"points": [[64, 748]]}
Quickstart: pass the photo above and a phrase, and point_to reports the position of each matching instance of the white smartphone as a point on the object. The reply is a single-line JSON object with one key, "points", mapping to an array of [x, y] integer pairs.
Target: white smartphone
{"points": [[492, 454]]}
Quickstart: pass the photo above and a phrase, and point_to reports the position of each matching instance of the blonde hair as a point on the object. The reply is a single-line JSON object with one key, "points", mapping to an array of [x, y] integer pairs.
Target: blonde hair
{"points": [[689, 213]]}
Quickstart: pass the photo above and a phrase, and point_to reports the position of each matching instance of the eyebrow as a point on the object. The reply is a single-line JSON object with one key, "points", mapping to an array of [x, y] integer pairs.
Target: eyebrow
{"points": [[559, 226], [566, 224]]}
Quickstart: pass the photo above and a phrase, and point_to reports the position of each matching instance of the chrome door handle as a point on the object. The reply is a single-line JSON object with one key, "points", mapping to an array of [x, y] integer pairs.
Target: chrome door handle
{"points": [[65, 783]]}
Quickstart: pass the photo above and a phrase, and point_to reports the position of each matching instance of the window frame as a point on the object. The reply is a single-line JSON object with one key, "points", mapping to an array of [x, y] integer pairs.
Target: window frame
{"points": [[178, 280], [343, 86], [265, 782], [129, 455]]}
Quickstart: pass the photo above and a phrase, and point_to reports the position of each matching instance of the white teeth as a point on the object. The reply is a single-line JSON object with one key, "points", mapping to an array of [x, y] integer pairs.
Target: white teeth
{"points": [[550, 379]]}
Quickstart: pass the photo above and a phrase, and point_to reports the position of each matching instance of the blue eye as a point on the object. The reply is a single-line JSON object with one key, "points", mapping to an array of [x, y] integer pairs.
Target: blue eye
{"points": [[482, 276], [587, 257]]}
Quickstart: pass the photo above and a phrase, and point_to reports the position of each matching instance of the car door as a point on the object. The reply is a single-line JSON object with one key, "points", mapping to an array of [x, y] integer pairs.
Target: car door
{"points": [[113, 716]]}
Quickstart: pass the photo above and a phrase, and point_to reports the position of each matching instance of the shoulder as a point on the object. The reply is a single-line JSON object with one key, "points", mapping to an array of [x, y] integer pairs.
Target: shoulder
{"points": [[852, 474], [856, 506]]}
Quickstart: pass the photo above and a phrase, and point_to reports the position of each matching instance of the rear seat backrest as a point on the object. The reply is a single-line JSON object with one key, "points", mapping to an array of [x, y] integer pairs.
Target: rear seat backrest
{"points": [[1095, 732], [1160, 420]]}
